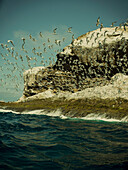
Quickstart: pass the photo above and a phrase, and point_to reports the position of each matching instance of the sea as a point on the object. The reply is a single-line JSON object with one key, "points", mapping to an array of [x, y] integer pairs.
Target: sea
{"points": [[35, 140]]}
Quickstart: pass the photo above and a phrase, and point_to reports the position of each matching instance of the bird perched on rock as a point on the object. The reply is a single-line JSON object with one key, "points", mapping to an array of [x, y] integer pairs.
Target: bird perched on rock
{"points": [[121, 34], [92, 35], [48, 40], [63, 39], [97, 34], [124, 25], [105, 32], [116, 29], [101, 26]]}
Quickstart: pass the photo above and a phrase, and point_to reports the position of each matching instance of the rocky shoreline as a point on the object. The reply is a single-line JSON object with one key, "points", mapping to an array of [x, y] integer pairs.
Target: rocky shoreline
{"points": [[116, 109]]}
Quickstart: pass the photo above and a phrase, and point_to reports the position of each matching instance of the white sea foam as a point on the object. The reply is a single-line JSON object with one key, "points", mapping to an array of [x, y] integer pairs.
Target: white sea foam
{"points": [[58, 113], [55, 113], [7, 111], [103, 117], [92, 116]]}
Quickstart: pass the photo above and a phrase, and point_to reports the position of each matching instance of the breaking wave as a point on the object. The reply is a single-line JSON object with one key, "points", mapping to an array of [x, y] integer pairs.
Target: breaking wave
{"points": [[59, 113]]}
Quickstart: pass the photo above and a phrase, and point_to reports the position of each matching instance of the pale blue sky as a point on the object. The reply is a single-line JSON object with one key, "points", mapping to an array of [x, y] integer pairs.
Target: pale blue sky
{"points": [[23, 17], [35, 15]]}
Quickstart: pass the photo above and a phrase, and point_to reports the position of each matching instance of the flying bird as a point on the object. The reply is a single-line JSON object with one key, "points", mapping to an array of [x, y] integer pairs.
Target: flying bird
{"points": [[2, 45], [98, 21], [10, 41], [6, 45], [54, 31], [45, 50], [8, 49], [23, 42], [113, 24], [69, 30], [41, 35], [30, 36], [48, 40], [12, 48]]}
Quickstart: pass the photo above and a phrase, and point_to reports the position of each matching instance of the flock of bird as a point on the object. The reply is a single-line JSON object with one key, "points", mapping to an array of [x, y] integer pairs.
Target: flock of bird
{"points": [[124, 24], [14, 63]]}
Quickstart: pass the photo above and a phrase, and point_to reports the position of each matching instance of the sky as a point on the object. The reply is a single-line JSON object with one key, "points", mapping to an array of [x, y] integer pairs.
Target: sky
{"points": [[20, 18]]}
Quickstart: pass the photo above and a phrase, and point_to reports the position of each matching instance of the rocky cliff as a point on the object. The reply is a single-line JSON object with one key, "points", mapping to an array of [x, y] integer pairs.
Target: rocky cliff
{"points": [[89, 61]]}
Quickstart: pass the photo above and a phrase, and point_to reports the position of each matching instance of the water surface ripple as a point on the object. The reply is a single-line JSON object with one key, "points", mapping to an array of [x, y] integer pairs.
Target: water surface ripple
{"points": [[29, 141]]}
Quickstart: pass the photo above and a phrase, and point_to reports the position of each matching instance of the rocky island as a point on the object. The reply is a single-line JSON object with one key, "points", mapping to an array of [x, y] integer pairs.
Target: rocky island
{"points": [[89, 76]]}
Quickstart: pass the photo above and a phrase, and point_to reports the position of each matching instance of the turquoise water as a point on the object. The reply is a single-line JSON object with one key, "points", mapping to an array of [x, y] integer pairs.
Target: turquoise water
{"points": [[31, 141]]}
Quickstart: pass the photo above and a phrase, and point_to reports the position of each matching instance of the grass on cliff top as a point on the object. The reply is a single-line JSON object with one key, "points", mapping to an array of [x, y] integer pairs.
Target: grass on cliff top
{"points": [[75, 108]]}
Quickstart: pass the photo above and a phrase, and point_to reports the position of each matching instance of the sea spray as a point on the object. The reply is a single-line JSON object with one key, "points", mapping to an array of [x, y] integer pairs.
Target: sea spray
{"points": [[59, 113], [8, 111], [103, 117]]}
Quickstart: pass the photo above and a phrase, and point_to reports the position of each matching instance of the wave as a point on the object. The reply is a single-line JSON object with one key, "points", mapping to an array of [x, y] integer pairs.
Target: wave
{"points": [[58, 113], [8, 111], [103, 117], [55, 113]]}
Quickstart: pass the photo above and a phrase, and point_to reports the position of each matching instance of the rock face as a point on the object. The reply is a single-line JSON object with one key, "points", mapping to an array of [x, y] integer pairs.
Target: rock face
{"points": [[40, 79], [100, 53], [90, 60]]}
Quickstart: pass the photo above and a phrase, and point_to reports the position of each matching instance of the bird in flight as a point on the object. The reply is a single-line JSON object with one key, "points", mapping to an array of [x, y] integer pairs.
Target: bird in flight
{"points": [[98, 21], [23, 42], [69, 29], [41, 35], [10, 41], [54, 31], [113, 24]]}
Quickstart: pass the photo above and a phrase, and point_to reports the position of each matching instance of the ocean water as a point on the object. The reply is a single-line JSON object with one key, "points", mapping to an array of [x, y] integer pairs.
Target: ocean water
{"points": [[34, 140]]}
